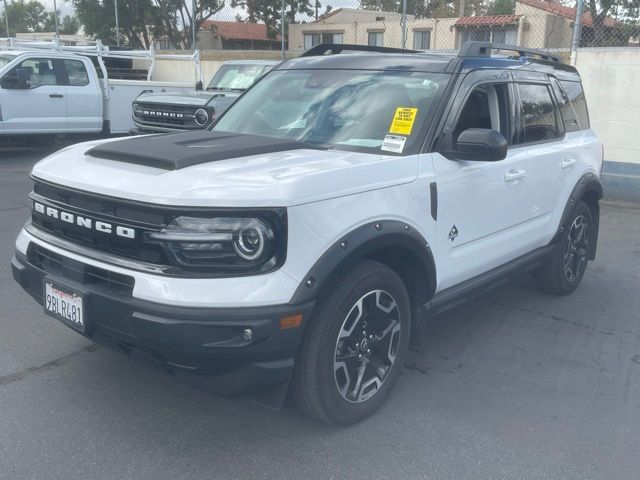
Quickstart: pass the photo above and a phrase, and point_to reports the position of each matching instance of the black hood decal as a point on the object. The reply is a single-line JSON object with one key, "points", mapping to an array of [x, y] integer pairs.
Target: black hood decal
{"points": [[181, 150]]}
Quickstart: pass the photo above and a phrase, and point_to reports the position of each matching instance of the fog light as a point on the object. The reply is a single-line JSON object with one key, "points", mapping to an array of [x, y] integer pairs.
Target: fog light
{"points": [[247, 334]]}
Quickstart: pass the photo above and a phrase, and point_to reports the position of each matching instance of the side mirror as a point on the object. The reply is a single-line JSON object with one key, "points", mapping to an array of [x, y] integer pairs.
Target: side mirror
{"points": [[480, 144], [24, 78], [9, 81]]}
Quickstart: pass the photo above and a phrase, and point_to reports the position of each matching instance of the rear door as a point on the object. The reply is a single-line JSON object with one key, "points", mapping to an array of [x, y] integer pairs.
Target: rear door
{"points": [[42, 108], [84, 96], [559, 145]]}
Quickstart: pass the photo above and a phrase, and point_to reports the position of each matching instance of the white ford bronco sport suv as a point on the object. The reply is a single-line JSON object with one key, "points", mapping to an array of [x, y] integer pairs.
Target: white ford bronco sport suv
{"points": [[299, 243]]}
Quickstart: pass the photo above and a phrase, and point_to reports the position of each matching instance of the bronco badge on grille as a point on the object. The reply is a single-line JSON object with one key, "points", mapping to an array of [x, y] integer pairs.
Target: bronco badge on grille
{"points": [[85, 222]]}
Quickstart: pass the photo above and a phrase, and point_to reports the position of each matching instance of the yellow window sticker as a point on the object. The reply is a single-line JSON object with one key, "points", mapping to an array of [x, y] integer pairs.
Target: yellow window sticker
{"points": [[403, 120]]}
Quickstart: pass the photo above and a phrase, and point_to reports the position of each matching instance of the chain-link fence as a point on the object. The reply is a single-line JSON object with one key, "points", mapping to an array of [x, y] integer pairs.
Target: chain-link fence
{"points": [[297, 25]]}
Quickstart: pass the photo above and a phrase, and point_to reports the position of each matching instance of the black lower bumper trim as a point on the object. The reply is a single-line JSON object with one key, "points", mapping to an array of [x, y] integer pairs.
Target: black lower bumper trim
{"points": [[207, 347]]}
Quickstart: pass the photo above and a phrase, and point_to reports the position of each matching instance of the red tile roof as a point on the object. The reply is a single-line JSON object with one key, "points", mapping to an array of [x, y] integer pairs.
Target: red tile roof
{"points": [[488, 20], [566, 12], [238, 30]]}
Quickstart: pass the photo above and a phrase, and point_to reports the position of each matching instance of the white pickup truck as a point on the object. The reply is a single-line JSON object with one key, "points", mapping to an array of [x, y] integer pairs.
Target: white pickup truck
{"points": [[44, 93]]}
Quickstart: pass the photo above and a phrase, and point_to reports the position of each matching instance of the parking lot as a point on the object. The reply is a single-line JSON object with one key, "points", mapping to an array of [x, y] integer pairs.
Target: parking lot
{"points": [[516, 385]]}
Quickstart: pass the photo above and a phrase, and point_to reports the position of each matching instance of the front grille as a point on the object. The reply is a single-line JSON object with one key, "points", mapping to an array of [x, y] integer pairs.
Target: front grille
{"points": [[167, 115], [98, 278], [58, 211], [100, 209]]}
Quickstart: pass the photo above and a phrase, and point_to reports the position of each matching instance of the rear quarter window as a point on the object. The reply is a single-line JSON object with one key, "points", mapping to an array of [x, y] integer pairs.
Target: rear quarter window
{"points": [[578, 102]]}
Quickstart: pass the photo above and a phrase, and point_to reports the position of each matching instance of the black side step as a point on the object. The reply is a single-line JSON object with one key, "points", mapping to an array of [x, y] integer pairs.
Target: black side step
{"points": [[452, 296]]}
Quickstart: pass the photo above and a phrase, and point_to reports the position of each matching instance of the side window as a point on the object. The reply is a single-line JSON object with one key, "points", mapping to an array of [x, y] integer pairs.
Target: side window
{"points": [[486, 107], [78, 76], [578, 101], [43, 71], [567, 112], [538, 115]]}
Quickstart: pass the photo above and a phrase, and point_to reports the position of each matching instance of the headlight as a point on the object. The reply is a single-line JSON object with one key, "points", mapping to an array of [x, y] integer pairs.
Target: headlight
{"points": [[135, 108], [201, 117], [223, 244]]}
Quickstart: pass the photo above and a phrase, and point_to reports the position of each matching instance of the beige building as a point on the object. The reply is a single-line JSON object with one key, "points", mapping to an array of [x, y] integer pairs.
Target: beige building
{"points": [[535, 24]]}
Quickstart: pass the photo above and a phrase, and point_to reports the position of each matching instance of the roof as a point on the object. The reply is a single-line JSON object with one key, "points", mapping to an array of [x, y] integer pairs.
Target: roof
{"points": [[239, 30], [488, 20], [251, 62], [421, 62], [412, 62], [566, 12]]}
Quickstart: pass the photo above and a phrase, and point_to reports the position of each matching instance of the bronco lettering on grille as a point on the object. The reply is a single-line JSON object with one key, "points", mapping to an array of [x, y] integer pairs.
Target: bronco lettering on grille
{"points": [[85, 222]]}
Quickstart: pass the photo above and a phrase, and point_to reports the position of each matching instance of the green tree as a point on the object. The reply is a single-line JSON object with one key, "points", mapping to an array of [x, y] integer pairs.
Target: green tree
{"points": [[24, 17], [501, 7], [600, 10], [382, 5], [440, 9], [70, 25], [66, 26], [143, 21], [137, 20], [268, 12]]}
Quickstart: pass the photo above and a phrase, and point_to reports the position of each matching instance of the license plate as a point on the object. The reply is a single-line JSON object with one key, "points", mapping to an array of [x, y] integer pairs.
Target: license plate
{"points": [[64, 304]]}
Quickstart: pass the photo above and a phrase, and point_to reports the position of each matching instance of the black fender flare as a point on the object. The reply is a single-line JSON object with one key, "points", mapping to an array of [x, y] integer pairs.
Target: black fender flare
{"points": [[589, 184], [357, 244]]}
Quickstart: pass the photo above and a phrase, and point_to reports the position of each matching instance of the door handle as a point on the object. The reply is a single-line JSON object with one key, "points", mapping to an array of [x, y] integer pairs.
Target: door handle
{"points": [[567, 163], [513, 175], [56, 95]]}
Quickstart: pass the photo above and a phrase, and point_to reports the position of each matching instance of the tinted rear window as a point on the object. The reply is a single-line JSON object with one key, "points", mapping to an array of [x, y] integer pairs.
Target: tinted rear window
{"points": [[539, 122], [578, 102]]}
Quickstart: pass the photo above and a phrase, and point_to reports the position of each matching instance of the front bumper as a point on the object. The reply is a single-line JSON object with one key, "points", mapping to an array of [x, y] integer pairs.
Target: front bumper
{"points": [[202, 346]]}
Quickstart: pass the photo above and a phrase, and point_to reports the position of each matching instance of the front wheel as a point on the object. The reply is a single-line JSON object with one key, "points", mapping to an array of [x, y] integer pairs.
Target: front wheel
{"points": [[355, 346], [563, 272]]}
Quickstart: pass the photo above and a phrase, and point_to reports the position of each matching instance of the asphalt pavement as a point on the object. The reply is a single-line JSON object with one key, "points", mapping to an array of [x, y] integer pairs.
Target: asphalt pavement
{"points": [[516, 385]]}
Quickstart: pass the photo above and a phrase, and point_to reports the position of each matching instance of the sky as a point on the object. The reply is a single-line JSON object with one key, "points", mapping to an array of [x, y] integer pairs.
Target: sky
{"points": [[66, 8]]}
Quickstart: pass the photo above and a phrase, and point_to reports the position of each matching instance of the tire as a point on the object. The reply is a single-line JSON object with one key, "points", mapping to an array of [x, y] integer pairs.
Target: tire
{"points": [[369, 296], [558, 277]]}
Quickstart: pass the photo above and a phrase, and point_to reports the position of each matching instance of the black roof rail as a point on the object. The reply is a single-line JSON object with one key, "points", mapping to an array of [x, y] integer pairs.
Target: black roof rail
{"points": [[333, 48], [483, 49]]}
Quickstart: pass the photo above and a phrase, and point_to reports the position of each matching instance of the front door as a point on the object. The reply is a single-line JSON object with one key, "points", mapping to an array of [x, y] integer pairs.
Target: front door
{"points": [[485, 209], [41, 108]]}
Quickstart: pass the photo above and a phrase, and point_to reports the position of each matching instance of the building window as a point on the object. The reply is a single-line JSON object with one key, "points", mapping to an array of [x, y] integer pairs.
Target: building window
{"points": [[495, 35], [375, 39], [313, 39], [421, 39]]}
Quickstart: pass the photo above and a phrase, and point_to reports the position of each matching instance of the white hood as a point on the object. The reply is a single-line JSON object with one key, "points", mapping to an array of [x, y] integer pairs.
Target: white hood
{"points": [[276, 179]]}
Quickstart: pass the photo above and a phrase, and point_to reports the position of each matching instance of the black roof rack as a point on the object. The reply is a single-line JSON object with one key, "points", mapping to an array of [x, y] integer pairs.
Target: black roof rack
{"points": [[483, 49], [332, 48]]}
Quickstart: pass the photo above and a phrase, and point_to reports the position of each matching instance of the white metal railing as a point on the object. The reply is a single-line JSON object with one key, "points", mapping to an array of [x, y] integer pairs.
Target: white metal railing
{"points": [[95, 48]]}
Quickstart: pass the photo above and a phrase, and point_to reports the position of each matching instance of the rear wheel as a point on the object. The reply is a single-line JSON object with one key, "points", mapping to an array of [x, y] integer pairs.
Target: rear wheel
{"points": [[564, 271], [354, 347]]}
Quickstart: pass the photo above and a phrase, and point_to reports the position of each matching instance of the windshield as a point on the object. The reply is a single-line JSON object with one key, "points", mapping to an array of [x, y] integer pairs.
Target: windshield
{"points": [[359, 110], [4, 59], [237, 76]]}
